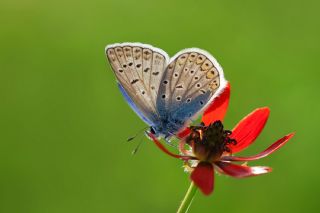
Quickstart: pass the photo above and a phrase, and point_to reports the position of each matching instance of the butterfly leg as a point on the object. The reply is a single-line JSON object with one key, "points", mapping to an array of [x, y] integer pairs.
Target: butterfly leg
{"points": [[169, 142]]}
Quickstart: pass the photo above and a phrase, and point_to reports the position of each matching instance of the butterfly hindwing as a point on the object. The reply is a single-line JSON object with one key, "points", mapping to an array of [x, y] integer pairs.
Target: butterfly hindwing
{"points": [[139, 69]]}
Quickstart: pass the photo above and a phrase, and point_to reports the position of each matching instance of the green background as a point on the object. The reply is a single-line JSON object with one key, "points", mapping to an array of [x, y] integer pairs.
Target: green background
{"points": [[63, 122]]}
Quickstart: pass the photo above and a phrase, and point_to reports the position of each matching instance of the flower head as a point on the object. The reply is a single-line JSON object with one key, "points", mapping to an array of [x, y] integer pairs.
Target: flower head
{"points": [[211, 147]]}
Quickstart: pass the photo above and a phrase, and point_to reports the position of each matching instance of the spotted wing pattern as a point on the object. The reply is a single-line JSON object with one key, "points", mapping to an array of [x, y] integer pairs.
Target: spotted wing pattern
{"points": [[139, 69], [192, 78]]}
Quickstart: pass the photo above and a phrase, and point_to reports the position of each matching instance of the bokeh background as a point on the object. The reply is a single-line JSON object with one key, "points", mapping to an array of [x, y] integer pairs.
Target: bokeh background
{"points": [[64, 124]]}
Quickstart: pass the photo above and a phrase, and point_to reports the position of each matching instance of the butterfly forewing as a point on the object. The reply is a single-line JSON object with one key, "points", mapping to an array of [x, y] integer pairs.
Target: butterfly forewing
{"points": [[191, 80], [139, 69]]}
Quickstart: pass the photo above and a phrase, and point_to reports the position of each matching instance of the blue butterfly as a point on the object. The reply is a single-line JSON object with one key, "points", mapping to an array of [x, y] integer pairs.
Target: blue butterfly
{"points": [[166, 93]]}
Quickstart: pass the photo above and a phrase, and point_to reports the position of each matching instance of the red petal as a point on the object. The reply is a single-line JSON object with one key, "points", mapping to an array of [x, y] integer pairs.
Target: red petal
{"points": [[203, 177], [248, 129], [218, 107], [165, 150], [275, 146], [238, 171], [184, 133]]}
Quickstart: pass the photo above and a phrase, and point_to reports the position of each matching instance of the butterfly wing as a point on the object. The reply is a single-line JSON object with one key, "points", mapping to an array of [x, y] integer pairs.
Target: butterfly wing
{"points": [[133, 106], [139, 69], [192, 79]]}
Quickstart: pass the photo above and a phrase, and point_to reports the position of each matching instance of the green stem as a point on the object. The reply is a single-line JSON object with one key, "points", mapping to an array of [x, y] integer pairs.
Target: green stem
{"points": [[187, 200]]}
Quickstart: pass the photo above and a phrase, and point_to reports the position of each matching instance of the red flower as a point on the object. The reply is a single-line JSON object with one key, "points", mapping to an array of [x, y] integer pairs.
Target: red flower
{"points": [[212, 147]]}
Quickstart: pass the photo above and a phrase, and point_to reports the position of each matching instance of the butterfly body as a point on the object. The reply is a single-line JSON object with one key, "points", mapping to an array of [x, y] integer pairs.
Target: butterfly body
{"points": [[164, 126], [165, 93]]}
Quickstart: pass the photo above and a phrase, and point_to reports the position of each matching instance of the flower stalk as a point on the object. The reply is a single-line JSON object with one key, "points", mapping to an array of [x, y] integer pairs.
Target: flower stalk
{"points": [[188, 198]]}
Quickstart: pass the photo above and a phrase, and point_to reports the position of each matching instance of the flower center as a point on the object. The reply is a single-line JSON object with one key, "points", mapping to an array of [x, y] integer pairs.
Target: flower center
{"points": [[210, 142]]}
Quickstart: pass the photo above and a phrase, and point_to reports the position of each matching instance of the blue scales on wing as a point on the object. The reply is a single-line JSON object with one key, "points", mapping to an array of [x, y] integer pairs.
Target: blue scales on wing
{"points": [[192, 79]]}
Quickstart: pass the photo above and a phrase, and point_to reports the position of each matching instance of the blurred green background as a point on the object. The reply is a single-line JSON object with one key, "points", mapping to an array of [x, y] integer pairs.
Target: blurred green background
{"points": [[63, 122]]}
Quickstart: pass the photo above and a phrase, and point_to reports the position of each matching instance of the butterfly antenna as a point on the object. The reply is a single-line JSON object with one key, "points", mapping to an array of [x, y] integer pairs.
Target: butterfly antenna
{"points": [[137, 147], [137, 134]]}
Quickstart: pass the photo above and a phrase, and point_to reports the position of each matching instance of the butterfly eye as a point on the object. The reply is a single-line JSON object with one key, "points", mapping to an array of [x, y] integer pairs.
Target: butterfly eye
{"points": [[152, 130]]}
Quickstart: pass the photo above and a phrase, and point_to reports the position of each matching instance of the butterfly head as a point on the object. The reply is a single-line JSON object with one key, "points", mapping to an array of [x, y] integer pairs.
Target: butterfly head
{"points": [[153, 131], [166, 129], [158, 131]]}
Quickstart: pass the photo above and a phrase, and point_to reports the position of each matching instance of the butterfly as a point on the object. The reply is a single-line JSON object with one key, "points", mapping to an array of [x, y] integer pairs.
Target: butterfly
{"points": [[166, 93]]}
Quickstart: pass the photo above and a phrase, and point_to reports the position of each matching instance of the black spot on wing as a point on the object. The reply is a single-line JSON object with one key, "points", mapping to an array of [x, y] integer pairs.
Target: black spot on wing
{"points": [[134, 81]]}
